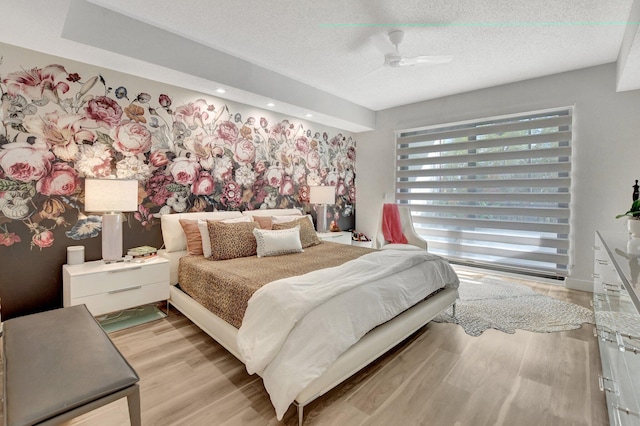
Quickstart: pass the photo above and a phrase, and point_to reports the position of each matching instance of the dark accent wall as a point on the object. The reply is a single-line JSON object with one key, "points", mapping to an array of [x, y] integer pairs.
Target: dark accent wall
{"points": [[64, 121]]}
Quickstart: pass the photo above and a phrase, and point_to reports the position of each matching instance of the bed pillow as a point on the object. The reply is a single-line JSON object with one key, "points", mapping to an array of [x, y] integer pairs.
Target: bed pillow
{"points": [[204, 231], [308, 236], [231, 240], [264, 222], [277, 242], [194, 239]]}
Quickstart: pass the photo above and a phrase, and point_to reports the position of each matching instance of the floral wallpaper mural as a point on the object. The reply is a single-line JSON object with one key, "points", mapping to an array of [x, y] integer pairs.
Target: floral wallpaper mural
{"points": [[60, 125]]}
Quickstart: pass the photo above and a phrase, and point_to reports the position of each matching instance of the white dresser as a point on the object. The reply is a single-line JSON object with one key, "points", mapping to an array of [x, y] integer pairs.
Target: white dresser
{"points": [[341, 237], [113, 287], [616, 307]]}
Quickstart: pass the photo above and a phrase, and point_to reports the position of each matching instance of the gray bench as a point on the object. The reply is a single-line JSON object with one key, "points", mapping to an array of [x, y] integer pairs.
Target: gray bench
{"points": [[60, 364]]}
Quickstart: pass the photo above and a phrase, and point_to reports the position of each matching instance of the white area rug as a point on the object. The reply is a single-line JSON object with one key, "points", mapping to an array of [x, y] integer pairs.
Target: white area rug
{"points": [[496, 303]]}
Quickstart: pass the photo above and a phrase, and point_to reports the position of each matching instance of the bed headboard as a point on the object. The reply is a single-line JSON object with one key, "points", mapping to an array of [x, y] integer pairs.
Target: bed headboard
{"points": [[175, 240]]}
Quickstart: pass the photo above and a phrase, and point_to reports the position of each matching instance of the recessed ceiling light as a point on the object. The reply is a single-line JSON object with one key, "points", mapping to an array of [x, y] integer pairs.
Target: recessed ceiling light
{"points": [[271, 104], [308, 115], [221, 90]]}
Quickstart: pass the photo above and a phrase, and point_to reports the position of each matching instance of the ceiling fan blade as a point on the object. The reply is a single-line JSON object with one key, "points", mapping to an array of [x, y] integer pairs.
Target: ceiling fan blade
{"points": [[425, 60]]}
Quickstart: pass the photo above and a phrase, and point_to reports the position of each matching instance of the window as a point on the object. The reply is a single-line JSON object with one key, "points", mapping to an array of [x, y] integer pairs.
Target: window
{"points": [[493, 192]]}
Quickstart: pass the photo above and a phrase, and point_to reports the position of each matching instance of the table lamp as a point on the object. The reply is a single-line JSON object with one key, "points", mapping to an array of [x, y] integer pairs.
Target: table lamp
{"points": [[322, 195], [111, 197]]}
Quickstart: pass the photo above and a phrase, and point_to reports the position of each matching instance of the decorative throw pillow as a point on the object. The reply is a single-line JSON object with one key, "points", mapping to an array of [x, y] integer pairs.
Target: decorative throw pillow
{"points": [[194, 239], [264, 222], [231, 240], [308, 236], [276, 243], [204, 231]]}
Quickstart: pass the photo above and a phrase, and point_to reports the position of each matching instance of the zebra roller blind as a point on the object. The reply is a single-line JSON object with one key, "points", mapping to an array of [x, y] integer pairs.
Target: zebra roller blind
{"points": [[493, 192]]}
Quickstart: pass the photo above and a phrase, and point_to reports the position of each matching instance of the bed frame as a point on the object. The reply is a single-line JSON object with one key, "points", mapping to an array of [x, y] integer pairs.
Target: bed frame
{"points": [[373, 345]]}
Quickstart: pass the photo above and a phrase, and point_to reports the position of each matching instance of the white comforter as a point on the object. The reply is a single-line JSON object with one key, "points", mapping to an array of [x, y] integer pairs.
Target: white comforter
{"points": [[295, 328]]}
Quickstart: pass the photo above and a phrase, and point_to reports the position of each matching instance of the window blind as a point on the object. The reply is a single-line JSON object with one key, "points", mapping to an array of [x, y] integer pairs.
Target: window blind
{"points": [[492, 192]]}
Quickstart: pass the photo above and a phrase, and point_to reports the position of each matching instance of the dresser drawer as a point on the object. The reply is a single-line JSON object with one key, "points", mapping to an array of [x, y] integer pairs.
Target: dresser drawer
{"points": [[124, 298], [118, 278]]}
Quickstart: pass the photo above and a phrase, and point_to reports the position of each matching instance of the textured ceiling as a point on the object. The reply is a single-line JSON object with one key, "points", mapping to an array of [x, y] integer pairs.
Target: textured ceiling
{"points": [[335, 46]]}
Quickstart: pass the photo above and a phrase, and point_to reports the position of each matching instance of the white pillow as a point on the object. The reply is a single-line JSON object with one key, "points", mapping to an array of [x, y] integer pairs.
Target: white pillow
{"points": [[288, 218], [275, 243], [204, 232]]}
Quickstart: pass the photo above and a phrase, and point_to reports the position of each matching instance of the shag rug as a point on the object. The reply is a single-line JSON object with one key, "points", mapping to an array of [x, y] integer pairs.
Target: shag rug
{"points": [[493, 302]]}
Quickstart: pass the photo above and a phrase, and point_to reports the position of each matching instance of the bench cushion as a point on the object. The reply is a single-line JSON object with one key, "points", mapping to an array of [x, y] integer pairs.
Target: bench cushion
{"points": [[56, 361]]}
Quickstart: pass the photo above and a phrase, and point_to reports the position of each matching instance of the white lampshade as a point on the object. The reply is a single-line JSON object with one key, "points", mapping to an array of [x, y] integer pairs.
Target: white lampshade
{"points": [[111, 197], [322, 195]]}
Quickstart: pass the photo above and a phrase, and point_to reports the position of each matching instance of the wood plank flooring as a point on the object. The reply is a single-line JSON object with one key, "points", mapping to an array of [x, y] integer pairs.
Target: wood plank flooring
{"points": [[439, 376]]}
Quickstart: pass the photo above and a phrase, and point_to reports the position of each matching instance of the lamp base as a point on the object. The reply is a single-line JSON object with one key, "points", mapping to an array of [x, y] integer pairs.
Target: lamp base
{"points": [[112, 237], [321, 218]]}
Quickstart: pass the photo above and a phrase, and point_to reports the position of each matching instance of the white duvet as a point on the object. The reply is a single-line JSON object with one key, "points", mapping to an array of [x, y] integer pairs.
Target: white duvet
{"points": [[295, 328]]}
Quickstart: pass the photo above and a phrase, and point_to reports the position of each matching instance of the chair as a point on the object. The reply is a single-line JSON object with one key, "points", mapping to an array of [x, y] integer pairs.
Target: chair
{"points": [[414, 241]]}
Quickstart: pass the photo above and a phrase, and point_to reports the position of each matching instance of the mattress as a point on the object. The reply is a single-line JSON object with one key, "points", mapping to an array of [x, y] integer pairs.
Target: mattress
{"points": [[225, 286]]}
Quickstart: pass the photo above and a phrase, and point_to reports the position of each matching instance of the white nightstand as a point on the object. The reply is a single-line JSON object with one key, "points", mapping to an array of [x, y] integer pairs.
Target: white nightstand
{"points": [[341, 237], [114, 287]]}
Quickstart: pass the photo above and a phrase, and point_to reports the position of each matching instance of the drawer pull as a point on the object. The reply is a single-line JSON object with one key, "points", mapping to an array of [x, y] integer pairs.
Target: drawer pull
{"points": [[601, 382], [115, 271], [624, 347], [595, 276], [122, 290], [627, 411], [602, 262], [597, 248]]}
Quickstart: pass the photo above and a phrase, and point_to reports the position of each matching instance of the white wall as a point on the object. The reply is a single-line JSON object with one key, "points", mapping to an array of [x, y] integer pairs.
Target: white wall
{"points": [[606, 148]]}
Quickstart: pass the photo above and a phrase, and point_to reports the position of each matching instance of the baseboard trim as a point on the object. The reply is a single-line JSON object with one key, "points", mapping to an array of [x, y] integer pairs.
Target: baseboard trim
{"points": [[582, 285]]}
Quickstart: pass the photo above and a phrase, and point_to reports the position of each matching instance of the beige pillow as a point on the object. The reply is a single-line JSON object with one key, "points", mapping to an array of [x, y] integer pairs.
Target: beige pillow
{"points": [[264, 222], [308, 236], [276, 243], [231, 240], [194, 239]]}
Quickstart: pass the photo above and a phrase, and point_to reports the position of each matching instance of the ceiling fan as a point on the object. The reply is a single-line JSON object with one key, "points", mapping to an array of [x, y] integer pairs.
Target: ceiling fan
{"points": [[395, 59]]}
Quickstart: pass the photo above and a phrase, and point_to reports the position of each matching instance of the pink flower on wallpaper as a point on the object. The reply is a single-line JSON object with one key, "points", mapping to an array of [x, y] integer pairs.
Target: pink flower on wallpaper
{"points": [[303, 193], [104, 111], [260, 167], [302, 145], [274, 176], [156, 188], [244, 151], [37, 83], [164, 101], [287, 187], [313, 160], [9, 238], [280, 130], [62, 132], [42, 239], [203, 185], [94, 160], [158, 158], [62, 180], [131, 138], [184, 170], [231, 195], [24, 162], [193, 114], [206, 147], [351, 154], [228, 131], [352, 194]]}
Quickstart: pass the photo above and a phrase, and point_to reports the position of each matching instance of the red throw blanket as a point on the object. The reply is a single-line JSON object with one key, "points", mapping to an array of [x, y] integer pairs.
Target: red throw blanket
{"points": [[391, 224]]}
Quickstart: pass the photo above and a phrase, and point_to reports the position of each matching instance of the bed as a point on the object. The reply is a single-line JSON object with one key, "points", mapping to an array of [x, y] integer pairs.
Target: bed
{"points": [[240, 334]]}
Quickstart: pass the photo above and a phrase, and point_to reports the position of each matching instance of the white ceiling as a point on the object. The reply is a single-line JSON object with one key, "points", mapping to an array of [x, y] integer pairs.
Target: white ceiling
{"points": [[337, 46]]}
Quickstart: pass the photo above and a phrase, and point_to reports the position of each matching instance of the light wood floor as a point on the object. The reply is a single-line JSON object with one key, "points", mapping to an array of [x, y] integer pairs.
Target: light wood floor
{"points": [[439, 376]]}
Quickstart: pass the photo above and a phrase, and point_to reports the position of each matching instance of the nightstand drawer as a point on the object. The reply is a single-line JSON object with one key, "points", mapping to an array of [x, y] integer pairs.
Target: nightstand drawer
{"points": [[124, 298], [117, 278]]}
